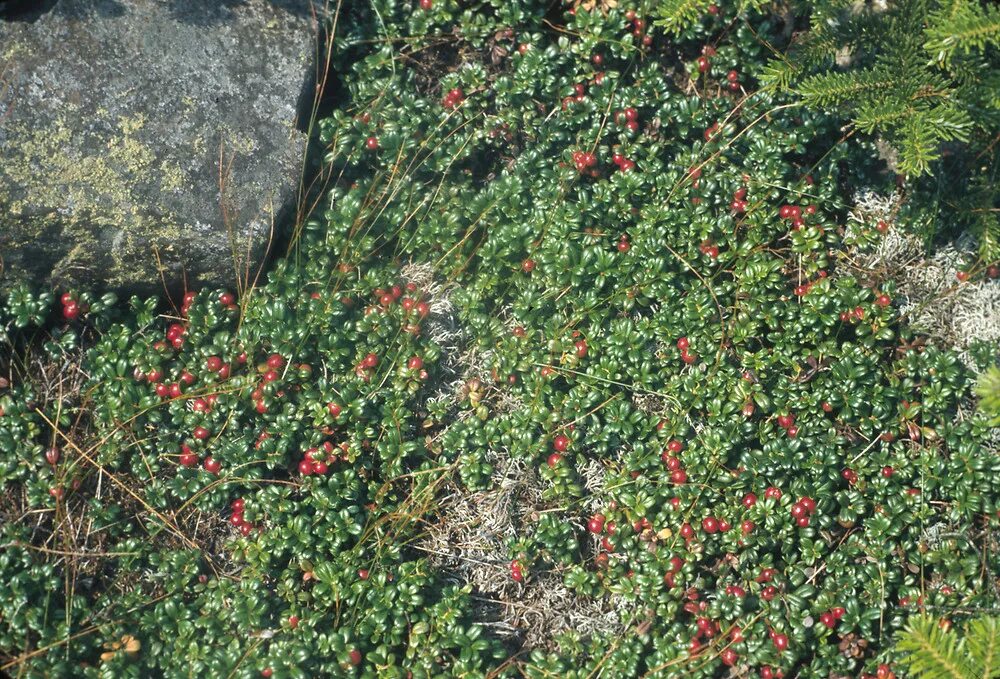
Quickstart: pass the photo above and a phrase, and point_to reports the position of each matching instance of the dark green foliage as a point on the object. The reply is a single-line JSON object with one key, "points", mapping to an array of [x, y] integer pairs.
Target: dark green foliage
{"points": [[790, 376]]}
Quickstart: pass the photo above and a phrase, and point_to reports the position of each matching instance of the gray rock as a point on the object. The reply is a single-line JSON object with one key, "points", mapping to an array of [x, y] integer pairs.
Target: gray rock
{"points": [[145, 142]]}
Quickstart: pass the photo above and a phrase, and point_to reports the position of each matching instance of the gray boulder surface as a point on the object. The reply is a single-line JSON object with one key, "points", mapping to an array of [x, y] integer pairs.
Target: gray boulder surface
{"points": [[150, 142]]}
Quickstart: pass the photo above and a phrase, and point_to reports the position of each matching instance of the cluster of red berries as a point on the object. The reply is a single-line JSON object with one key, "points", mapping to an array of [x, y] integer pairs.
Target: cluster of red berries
{"points": [[711, 132], [676, 564], [683, 345], [365, 368], [849, 475], [579, 94], [638, 28], [453, 98], [188, 300], [793, 214], [516, 572], [709, 248], [318, 462], [410, 303], [175, 335], [767, 673], [173, 390], [237, 519], [739, 203], [733, 81], [779, 640], [629, 117], [673, 463], [787, 422], [704, 63], [736, 591], [712, 525], [883, 671], [830, 617], [71, 308], [625, 165], [584, 161], [274, 363], [855, 314], [802, 510]]}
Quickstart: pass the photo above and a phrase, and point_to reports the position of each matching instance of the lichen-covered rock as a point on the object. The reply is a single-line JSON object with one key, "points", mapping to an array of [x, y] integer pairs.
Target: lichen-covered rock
{"points": [[145, 142]]}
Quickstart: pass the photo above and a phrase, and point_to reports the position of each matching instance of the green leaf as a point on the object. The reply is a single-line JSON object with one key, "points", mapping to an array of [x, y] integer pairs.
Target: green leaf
{"points": [[983, 639], [930, 651]]}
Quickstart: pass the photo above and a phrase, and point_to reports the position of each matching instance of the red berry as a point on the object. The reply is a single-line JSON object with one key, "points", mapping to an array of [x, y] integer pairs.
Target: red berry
{"points": [[293, 621], [554, 459], [678, 476], [683, 343], [266, 672], [372, 142], [828, 620], [749, 500], [710, 524], [211, 465], [52, 455], [71, 311], [213, 364], [561, 443], [887, 472], [703, 64], [581, 348], [334, 409], [596, 523], [747, 526], [772, 493], [200, 433], [415, 363], [780, 642], [675, 446], [528, 265], [355, 654]]}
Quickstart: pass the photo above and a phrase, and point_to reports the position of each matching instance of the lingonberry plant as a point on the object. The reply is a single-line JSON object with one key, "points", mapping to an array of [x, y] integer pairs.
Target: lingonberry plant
{"points": [[618, 275]]}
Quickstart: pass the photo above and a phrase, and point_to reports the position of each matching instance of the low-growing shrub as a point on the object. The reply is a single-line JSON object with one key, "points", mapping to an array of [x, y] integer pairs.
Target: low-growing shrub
{"points": [[548, 246]]}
